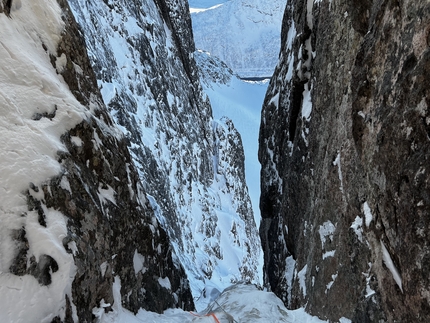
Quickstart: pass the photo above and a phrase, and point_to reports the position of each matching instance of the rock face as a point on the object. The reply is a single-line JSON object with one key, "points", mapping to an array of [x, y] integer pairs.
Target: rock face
{"points": [[110, 221], [115, 179], [344, 148], [142, 54], [68, 242]]}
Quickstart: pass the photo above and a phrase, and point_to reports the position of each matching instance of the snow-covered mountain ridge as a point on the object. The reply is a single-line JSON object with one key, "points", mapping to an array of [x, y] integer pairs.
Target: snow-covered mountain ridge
{"points": [[245, 34]]}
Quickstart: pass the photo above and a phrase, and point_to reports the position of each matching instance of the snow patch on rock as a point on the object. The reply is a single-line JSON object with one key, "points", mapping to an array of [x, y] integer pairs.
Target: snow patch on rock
{"points": [[391, 267]]}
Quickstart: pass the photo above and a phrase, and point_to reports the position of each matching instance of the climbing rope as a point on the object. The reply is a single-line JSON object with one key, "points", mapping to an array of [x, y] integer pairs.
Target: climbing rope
{"points": [[210, 314], [225, 311], [214, 316]]}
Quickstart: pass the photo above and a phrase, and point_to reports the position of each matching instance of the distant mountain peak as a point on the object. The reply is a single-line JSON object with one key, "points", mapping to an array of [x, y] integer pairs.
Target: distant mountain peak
{"points": [[245, 34]]}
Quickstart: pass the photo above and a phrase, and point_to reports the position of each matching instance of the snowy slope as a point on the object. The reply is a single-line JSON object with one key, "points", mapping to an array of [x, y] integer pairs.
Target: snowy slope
{"points": [[241, 303], [240, 101], [190, 164], [243, 33]]}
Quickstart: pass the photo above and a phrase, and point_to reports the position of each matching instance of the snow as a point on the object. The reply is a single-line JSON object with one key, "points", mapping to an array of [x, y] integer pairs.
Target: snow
{"points": [[73, 247], [108, 91], [224, 269], [197, 10], [241, 101], [61, 63], [307, 103], [103, 268], [240, 302], [301, 275], [23, 299], [65, 185], [357, 226], [292, 32], [106, 194], [369, 290], [243, 33], [165, 282], [289, 275], [326, 232], [138, 262], [330, 284], [275, 100], [390, 265], [76, 141], [205, 4], [30, 87], [328, 254], [367, 214], [337, 162]]}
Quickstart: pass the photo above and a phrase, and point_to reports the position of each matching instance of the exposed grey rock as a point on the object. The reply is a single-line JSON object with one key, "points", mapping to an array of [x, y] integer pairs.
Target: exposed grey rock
{"points": [[344, 168]]}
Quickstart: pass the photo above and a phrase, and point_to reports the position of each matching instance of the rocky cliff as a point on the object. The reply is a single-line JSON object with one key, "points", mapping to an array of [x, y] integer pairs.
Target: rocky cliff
{"points": [[344, 148], [191, 166], [76, 223], [116, 182]]}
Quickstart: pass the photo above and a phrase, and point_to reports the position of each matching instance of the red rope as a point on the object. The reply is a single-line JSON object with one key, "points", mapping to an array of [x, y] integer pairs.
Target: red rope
{"points": [[211, 314], [194, 314], [215, 318]]}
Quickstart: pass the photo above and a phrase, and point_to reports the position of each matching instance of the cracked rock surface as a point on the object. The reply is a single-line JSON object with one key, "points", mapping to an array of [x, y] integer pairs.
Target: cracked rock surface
{"points": [[344, 148]]}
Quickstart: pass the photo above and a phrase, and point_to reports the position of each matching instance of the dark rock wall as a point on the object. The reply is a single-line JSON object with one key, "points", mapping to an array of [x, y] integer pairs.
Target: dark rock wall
{"points": [[5, 6], [349, 178]]}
